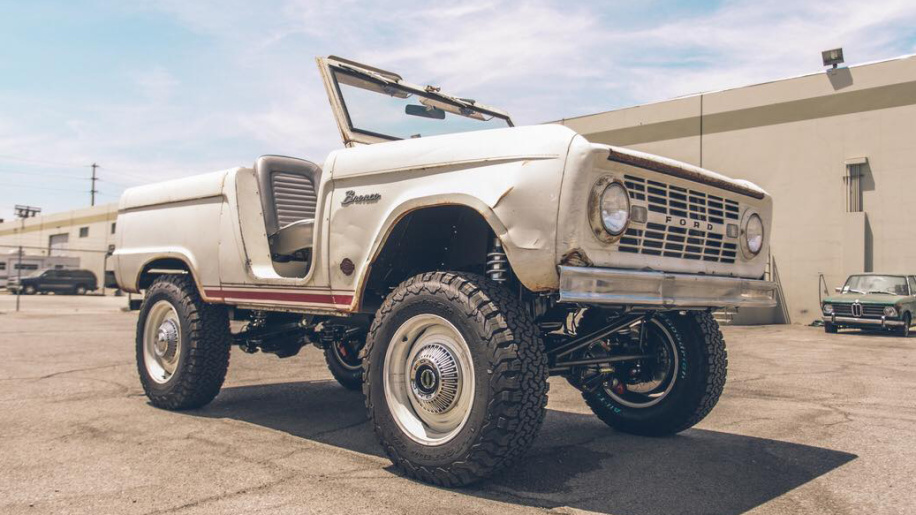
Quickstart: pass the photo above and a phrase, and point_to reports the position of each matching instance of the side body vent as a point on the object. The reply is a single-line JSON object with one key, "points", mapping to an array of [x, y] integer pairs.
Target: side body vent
{"points": [[288, 189], [295, 197]]}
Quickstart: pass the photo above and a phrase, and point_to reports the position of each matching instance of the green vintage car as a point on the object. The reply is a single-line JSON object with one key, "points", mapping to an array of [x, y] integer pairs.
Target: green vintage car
{"points": [[872, 301]]}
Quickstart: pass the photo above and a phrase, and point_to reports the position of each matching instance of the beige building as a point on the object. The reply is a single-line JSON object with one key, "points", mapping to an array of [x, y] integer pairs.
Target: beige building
{"points": [[836, 149], [84, 234]]}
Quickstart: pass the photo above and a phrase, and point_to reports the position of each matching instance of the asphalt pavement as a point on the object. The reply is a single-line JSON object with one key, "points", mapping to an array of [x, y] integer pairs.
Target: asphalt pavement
{"points": [[808, 423]]}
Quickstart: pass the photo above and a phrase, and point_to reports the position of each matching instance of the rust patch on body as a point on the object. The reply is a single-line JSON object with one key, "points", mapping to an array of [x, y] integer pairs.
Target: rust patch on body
{"points": [[576, 257]]}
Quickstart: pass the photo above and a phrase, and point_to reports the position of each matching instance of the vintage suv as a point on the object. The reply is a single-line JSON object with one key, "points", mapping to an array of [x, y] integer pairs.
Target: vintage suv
{"points": [[448, 262], [872, 301]]}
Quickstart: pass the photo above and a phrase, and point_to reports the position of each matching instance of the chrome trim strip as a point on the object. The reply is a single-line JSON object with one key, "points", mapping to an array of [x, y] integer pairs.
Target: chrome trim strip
{"points": [[636, 288], [862, 321]]}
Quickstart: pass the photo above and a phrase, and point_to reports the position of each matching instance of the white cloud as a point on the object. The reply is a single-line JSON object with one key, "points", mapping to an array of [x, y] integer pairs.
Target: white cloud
{"points": [[540, 60], [157, 84]]}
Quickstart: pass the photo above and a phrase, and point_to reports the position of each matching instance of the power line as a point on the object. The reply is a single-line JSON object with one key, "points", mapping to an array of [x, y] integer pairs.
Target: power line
{"points": [[71, 165], [40, 161], [6, 184], [43, 174]]}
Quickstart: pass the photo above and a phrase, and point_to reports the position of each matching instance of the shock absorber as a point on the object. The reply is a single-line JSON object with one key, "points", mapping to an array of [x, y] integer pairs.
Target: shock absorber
{"points": [[497, 262]]}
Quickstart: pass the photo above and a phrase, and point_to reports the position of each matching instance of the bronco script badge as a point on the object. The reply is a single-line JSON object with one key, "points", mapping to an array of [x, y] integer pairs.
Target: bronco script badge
{"points": [[352, 198]]}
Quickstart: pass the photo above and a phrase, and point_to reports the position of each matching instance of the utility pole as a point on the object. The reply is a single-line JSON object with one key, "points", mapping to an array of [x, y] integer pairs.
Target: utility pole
{"points": [[22, 212], [19, 270], [93, 191]]}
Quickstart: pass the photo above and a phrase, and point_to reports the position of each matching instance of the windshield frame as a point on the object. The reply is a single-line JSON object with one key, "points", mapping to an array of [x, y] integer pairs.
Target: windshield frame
{"points": [[906, 283], [351, 134]]}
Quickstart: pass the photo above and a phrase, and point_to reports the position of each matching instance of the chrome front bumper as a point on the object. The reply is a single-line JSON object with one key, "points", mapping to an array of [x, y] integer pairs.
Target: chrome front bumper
{"points": [[883, 321], [662, 289]]}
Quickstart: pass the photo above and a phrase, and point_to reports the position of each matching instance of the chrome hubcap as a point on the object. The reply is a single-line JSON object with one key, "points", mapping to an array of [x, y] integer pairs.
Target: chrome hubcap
{"points": [[435, 379], [429, 379], [161, 342], [167, 340]]}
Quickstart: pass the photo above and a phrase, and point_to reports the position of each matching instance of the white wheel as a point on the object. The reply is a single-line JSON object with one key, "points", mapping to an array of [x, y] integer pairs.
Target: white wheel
{"points": [[455, 377], [182, 345], [429, 379], [161, 341]]}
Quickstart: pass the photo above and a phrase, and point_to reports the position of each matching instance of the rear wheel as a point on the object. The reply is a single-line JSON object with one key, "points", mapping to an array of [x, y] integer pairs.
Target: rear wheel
{"points": [[345, 364], [456, 378], [674, 389], [79, 290], [182, 345]]}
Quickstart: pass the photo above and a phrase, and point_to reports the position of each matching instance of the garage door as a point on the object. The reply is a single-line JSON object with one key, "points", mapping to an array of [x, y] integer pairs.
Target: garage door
{"points": [[58, 243]]}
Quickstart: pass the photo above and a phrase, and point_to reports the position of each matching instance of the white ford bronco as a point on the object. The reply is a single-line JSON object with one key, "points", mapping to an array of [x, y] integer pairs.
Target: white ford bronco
{"points": [[448, 262]]}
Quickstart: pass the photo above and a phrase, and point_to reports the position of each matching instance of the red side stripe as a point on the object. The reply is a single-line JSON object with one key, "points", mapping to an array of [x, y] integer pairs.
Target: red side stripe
{"points": [[312, 298]]}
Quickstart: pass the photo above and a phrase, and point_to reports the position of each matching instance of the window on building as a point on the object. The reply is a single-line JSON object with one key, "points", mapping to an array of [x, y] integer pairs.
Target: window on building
{"points": [[84, 232], [855, 171], [113, 225], [2, 265], [26, 266]]}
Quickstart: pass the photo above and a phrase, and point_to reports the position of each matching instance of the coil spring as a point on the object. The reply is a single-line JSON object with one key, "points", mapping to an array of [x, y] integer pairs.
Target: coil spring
{"points": [[497, 263]]}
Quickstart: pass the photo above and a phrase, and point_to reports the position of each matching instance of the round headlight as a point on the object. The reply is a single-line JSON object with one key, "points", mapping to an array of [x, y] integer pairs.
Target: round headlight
{"points": [[890, 311], [753, 233], [615, 208], [828, 309]]}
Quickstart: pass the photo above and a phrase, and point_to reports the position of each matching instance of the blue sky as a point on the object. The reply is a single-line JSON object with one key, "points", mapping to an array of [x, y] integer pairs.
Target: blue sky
{"points": [[152, 90]]}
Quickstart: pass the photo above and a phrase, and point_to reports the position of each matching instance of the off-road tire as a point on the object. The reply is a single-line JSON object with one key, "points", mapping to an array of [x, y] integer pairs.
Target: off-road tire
{"points": [[701, 378], [351, 379], [204, 354], [510, 395], [830, 328]]}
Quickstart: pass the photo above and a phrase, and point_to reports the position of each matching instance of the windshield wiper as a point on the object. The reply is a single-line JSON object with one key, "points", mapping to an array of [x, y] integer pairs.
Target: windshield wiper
{"points": [[856, 291], [882, 291]]}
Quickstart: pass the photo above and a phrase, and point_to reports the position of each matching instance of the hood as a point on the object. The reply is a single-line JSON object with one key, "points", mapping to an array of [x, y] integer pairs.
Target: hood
{"points": [[866, 298], [460, 150], [684, 170]]}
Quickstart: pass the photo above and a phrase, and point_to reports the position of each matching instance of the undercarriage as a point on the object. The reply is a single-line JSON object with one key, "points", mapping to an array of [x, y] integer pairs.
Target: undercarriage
{"points": [[621, 350]]}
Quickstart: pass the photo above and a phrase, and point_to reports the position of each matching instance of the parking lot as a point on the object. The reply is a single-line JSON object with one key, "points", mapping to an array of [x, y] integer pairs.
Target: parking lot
{"points": [[809, 423]]}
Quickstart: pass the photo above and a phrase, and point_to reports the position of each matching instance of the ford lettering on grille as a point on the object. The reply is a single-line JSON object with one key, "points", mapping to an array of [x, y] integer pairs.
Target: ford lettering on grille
{"points": [[683, 223]]}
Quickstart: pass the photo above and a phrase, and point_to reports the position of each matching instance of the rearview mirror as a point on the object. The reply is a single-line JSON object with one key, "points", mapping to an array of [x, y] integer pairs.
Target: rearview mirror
{"points": [[424, 111]]}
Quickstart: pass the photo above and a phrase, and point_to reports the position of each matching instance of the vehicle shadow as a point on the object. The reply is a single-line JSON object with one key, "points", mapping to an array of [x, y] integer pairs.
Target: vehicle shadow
{"points": [[577, 461]]}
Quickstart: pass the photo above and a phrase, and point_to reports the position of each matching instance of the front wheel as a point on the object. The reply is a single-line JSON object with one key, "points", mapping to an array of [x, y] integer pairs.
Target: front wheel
{"points": [[905, 329], [29, 290], [182, 345], [456, 378], [79, 290], [674, 390]]}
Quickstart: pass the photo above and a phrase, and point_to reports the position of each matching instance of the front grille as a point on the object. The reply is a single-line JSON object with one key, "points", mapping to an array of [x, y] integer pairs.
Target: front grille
{"points": [[677, 241], [669, 199], [868, 311]]}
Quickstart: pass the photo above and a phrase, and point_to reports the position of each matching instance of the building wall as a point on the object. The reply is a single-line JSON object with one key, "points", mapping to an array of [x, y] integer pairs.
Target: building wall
{"points": [[34, 235], [794, 138]]}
